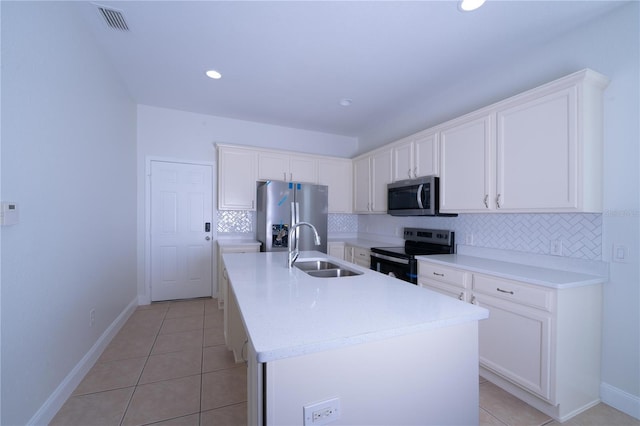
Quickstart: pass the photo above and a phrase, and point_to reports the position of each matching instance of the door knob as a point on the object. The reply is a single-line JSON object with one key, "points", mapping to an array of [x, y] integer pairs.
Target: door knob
{"points": [[207, 238]]}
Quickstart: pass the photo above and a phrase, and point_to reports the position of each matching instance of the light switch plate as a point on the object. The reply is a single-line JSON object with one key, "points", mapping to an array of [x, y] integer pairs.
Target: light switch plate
{"points": [[620, 253]]}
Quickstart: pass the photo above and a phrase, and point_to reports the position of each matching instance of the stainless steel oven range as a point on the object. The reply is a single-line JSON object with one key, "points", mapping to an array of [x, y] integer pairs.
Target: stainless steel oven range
{"points": [[400, 262]]}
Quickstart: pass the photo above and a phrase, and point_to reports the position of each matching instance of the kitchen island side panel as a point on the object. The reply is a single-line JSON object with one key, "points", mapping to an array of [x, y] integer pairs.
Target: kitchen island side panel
{"points": [[425, 378]]}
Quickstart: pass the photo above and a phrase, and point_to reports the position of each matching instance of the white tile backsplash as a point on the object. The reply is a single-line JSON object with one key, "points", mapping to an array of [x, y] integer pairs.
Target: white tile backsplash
{"points": [[580, 234]]}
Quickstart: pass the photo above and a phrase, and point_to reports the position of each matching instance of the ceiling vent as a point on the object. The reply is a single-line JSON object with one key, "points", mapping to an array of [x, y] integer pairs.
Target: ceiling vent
{"points": [[113, 18]]}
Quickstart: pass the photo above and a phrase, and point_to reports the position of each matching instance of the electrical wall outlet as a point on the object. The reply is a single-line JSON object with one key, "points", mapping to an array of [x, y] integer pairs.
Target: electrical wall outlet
{"points": [[469, 239], [620, 253], [556, 248], [321, 413]]}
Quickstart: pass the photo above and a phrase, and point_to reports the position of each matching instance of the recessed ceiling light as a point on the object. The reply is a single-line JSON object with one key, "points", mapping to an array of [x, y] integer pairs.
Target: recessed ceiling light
{"points": [[345, 102], [213, 74], [469, 5]]}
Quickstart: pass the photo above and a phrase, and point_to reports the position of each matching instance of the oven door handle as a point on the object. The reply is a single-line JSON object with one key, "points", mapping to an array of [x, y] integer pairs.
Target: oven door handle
{"points": [[419, 196], [390, 258]]}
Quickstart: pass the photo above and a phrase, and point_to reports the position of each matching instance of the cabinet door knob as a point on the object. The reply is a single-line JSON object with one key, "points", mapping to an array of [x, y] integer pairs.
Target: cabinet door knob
{"points": [[498, 201], [461, 297], [486, 198], [473, 300]]}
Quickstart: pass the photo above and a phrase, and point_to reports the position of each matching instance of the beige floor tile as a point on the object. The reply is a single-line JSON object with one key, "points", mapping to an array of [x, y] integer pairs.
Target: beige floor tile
{"points": [[509, 409], [140, 330], [176, 342], [487, 419], [148, 315], [172, 365], [186, 309], [214, 319], [211, 305], [154, 305], [111, 375], [232, 415], [164, 400], [125, 346], [602, 414], [176, 325], [224, 387], [213, 336], [217, 358], [192, 420], [103, 408]]}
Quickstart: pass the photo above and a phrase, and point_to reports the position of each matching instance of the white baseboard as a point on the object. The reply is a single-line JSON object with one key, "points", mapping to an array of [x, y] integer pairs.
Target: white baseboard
{"points": [[620, 400], [48, 410]]}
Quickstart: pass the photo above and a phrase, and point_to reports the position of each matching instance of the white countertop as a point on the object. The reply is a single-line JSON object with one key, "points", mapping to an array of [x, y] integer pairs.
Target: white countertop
{"points": [[287, 312], [237, 242], [547, 277], [363, 243]]}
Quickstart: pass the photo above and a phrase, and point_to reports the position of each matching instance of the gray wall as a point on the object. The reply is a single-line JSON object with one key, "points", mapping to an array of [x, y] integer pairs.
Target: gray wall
{"points": [[68, 159]]}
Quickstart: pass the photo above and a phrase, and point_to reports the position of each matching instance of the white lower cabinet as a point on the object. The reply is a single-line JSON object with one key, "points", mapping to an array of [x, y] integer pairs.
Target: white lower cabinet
{"points": [[235, 333], [515, 342], [358, 255], [230, 247], [542, 344], [448, 281], [336, 249]]}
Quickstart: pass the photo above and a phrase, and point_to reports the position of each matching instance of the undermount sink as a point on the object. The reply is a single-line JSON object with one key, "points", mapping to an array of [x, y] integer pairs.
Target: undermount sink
{"points": [[333, 273], [315, 265], [323, 268]]}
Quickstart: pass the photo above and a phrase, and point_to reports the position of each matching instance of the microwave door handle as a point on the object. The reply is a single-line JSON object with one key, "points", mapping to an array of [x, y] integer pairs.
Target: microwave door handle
{"points": [[419, 196]]}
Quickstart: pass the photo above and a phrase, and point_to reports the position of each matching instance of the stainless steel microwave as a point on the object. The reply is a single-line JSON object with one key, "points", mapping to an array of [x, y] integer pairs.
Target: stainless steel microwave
{"points": [[414, 197]]}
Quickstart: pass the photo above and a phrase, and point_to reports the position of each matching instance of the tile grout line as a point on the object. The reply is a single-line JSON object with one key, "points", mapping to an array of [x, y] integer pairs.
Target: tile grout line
{"points": [[135, 387]]}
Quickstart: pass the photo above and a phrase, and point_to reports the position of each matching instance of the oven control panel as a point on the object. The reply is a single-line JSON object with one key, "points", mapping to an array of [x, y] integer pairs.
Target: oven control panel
{"points": [[435, 236]]}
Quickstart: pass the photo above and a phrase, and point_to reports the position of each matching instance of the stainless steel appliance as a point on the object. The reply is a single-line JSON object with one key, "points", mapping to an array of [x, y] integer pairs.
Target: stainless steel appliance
{"points": [[274, 214], [401, 262], [414, 197]]}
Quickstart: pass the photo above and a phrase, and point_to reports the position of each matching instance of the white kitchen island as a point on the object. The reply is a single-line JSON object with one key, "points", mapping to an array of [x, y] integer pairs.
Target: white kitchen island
{"points": [[389, 351]]}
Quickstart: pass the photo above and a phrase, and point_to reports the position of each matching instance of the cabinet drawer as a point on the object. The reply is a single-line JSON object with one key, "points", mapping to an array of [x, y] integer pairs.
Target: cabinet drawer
{"points": [[446, 289], [360, 253], [521, 293], [442, 273]]}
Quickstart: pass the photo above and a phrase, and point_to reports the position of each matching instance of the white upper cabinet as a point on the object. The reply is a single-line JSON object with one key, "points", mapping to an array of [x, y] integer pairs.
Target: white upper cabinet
{"points": [[236, 178], [337, 174], [371, 174], [361, 185], [240, 167], [466, 167], [416, 156], [286, 167], [540, 151]]}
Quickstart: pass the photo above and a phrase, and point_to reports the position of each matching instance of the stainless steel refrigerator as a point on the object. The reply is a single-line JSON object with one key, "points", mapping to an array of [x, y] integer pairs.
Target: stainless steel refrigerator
{"points": [[274, 214]]}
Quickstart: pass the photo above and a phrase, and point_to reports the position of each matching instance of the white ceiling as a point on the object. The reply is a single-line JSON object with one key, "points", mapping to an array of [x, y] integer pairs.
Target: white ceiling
{"points": [[290, 63]]}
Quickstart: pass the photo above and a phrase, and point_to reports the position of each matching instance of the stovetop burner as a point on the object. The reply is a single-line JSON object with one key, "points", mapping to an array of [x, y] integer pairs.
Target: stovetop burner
{"points": [[420, 242]]}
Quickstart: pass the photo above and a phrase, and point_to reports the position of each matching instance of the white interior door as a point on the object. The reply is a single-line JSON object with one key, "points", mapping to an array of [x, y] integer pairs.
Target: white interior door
{"points": [[181, 245]]}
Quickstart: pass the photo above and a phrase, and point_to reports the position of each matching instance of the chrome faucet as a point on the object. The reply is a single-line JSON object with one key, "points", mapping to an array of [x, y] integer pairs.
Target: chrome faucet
{"points": [[293, 241]]}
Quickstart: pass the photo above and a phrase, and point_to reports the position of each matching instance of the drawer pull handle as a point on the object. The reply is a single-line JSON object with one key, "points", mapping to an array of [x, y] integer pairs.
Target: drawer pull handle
{"points": [[438, 275], [461, 297], [504, 291]]}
